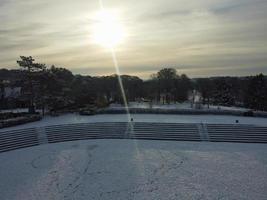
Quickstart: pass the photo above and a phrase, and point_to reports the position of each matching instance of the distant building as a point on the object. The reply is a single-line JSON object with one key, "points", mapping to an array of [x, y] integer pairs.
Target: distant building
{"points": [[12, 92], [195, 98], [11, 95]]}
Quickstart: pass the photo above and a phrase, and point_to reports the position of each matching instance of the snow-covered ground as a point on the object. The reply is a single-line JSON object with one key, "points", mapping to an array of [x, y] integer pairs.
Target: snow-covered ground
{"points": [[180, 106], [129, 169], [75, 118], [17, 110]]}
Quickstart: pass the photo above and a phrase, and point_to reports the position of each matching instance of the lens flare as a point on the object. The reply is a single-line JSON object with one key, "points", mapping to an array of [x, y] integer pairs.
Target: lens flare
{"points": [[107, 29], [109, 32]]}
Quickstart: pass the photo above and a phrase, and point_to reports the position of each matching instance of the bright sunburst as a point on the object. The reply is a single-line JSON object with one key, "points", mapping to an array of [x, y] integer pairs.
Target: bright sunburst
{"points": [[107, 30]]}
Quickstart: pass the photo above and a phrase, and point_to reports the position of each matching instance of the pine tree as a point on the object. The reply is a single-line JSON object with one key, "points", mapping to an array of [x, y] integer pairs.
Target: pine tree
{"points": [[27, 64], [256, 93]]}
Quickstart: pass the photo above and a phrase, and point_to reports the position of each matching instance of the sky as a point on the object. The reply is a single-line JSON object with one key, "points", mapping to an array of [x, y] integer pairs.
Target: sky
{"points": [[197, 37]]}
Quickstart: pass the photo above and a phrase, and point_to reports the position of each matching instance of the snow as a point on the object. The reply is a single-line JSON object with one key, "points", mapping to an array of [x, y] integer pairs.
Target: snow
{"points": [[180, 106], [129, 169], [76, 118], [178, 118], [15, 110], [18, 110]]}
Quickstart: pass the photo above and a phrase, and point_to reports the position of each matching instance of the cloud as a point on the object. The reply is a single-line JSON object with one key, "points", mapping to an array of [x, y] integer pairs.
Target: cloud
{"points": [[197, 37]]}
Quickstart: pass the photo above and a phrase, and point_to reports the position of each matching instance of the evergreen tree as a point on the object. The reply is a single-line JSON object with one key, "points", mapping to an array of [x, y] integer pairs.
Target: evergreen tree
{"points": [[32, 69], [205, 87], [223, 92], [256, 93]]}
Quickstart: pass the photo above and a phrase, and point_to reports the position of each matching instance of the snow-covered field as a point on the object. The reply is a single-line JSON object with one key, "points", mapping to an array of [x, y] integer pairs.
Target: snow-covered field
{"points": [[129, 169], [180, 106], [75, 118], [178, 118], [17, 110]]}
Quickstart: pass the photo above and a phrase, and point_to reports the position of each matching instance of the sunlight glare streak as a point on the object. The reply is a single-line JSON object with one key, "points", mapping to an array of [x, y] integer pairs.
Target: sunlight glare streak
{"points": [[121, 84], [109, 33], [111, 41]]}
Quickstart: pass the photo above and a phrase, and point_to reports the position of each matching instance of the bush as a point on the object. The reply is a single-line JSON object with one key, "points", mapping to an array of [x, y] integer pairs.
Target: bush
{"points": [[89, 110], [248, 113], [8, 115], [101, 102], [13, 119]]}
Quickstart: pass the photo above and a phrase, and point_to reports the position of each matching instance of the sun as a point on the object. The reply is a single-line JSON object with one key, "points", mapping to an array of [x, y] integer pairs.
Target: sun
{"points": [[107, 29]]}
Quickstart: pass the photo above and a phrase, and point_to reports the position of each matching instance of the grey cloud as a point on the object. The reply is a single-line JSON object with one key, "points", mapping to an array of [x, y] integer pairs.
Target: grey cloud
{"points": [[197, 37], [235, 5], [15, 30]]}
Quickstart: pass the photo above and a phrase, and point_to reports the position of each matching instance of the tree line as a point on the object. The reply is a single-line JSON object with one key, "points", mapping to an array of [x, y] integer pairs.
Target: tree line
{"points": [[57, 88]]}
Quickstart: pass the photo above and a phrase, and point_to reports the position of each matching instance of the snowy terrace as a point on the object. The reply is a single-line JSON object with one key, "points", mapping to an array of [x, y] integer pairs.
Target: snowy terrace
{"points": [[92, 157], [129, 169]]}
